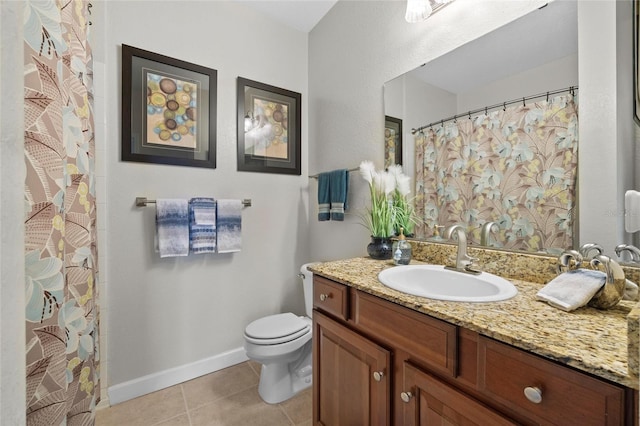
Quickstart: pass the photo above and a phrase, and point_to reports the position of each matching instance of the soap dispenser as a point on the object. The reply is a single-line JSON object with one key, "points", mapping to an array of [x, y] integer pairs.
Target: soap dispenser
{"points": [[401, 250]]}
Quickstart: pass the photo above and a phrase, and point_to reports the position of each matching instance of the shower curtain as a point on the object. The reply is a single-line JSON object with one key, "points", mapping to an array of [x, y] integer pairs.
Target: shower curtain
{"points": [[516, 166], [60, 225]]}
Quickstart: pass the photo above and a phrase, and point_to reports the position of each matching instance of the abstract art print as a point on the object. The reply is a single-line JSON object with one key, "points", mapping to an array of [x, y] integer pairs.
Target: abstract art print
{"points": [[269, 129], [168, 110]]}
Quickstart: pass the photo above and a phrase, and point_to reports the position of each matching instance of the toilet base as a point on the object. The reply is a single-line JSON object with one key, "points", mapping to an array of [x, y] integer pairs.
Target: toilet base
{"points": [[281, 381]]}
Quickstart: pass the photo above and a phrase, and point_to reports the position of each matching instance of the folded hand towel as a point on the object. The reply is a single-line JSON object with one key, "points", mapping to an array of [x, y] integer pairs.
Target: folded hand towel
{"points": [[630, 291], [229, 223], [573, 289], [338, 190], [202, 225], [172, 227], [324, 196], [632, 211]]}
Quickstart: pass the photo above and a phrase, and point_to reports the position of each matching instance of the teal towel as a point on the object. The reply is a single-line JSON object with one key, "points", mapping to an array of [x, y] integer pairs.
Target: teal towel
{"points": [[338, 189], [324, 198]]}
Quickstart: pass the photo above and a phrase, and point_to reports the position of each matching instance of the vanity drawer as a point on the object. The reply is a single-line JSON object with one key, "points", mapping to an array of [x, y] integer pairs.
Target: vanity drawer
{"points": [[330, 297], [429, 341], [568, 397]]}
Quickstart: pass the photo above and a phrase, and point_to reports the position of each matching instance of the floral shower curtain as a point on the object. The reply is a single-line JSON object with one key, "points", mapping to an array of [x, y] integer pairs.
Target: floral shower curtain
{"points": [[60, 224], [516, 167]]}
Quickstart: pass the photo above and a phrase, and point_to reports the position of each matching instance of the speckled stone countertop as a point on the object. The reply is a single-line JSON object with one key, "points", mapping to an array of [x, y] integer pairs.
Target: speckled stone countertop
{"points": [[588, 339]]}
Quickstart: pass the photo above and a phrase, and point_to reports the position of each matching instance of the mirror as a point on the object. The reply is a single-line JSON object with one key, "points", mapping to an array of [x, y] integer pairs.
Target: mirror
{"points": [[534, 54]]}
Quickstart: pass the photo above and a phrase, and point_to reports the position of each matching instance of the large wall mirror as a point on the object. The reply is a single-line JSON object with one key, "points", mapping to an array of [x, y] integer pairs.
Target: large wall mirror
{"points": [[535, 54]]}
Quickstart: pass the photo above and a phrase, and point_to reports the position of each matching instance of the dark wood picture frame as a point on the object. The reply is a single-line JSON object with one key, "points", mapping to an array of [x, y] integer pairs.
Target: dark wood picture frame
{"points": [[269, 128], [392, 130], [168, 110]]}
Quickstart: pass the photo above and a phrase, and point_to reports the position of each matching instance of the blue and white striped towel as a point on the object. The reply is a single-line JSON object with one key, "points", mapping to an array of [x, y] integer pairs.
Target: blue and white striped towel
{"points": [[229, 222], [202, 225], [172, 227]]}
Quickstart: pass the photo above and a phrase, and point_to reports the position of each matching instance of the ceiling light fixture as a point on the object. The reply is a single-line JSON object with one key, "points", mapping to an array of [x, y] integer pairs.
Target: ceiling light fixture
{"points": [[419, 10]]}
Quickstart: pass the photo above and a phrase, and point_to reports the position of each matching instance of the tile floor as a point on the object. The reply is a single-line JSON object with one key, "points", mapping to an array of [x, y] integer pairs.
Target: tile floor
{"points": [[227, 397]]}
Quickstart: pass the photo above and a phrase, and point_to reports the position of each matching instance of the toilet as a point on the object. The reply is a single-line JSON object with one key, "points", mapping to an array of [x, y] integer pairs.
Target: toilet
{"points": [[282, 344]]}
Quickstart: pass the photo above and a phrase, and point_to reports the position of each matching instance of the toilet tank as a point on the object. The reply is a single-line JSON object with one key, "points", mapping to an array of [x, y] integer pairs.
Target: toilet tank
{"points": [[307, 287]]}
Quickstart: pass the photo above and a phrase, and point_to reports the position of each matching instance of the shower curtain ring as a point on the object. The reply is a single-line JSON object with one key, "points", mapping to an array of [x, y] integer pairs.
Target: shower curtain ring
{"points": [[523, 102], [504, 106], [469, 115], [547, 96]]}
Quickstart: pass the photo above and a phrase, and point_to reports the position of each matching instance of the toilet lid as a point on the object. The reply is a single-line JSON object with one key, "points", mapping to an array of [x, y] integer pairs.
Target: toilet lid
{"points": [[276, 326]]}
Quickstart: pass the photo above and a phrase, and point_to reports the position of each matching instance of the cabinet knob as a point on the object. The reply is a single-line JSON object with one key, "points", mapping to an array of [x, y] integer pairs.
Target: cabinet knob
{"points": [[378, 375], [406, 396], [533, 394], [324, 297]]}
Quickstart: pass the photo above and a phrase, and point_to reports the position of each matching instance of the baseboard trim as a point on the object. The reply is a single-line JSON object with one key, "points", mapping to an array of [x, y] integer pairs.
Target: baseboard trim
{"points": [[173, 376]]}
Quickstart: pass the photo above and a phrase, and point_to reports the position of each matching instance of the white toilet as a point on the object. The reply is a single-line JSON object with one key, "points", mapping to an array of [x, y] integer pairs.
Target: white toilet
{"points": [[282, 344]]}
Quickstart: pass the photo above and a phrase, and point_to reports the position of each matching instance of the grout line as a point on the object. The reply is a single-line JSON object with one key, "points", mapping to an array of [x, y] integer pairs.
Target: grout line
{"points": [[286, 414], [186, 406]]}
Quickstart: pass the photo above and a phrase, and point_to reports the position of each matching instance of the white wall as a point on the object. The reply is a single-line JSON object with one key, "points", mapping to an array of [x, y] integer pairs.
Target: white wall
{"points": [[176, 312], [12, 319], [353, 51]]}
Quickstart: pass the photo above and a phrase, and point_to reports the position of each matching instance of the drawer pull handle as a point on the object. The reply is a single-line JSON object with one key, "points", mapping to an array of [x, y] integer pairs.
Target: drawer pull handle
{"points": [[533, 394], [406, 396], [324, 297], [378, 375]]}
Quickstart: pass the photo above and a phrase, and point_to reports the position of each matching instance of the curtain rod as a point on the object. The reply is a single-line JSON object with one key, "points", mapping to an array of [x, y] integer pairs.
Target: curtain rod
{"points": [[349, 170], [570, 89]]}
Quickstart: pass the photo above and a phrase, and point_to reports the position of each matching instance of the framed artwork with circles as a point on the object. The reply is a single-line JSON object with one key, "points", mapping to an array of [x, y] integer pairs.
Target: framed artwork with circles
{"points": [[269, 128], [168, 110]]}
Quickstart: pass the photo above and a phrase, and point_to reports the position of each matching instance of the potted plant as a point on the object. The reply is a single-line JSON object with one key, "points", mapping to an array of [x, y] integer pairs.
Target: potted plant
{"points": [[379, 217], [404, 211]]}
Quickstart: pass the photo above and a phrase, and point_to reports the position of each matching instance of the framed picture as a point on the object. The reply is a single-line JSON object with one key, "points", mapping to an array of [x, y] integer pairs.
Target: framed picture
{"points": [[636, 66], [392, 141], [168, 110], [269, 128]]}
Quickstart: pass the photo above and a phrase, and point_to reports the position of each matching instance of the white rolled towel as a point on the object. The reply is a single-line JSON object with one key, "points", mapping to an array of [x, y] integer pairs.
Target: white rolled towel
{"points": [[632, 211], [573, 289]]}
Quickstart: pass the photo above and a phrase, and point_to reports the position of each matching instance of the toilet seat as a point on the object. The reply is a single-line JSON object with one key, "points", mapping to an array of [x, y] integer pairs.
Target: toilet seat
{"points": [[277, 329]]}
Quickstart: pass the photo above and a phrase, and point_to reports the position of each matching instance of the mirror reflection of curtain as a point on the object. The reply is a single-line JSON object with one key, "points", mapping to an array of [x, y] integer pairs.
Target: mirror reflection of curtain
{"points": [[516, 166]]}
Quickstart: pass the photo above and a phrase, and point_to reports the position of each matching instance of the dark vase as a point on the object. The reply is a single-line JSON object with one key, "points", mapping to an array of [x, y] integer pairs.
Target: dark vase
{"points": [[380, 248]]}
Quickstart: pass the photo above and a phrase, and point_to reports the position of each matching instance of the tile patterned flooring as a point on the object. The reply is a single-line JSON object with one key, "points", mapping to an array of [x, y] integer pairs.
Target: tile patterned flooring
{"points": [[227, 397]]}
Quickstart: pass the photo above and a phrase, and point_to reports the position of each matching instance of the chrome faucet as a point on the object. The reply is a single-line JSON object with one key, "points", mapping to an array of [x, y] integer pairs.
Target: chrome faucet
{"points": [[463, 260], [487, 228], [586, 248], [633, 251]]}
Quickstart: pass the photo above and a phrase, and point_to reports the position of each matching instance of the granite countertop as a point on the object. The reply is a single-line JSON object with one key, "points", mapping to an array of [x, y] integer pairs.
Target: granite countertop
{"points": [[591, 340]]}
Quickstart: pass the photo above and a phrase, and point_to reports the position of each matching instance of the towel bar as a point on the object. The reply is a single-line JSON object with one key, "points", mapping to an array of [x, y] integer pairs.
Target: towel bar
{"points": [[143, 201], [349, 170]]}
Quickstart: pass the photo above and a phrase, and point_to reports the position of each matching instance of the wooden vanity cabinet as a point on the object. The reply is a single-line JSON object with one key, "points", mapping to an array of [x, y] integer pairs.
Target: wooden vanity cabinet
{"points": [[380, 363], [351, 383]]}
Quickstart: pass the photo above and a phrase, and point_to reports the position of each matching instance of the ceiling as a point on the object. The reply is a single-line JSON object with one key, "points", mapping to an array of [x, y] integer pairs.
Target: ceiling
{"points": [[301, 15]]}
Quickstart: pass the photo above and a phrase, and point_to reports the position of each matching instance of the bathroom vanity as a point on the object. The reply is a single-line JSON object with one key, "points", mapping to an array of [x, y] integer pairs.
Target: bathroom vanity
{"points": [[382, 357]]}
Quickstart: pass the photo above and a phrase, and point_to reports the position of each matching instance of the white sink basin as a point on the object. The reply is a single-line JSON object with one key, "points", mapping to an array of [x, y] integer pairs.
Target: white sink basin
{"points": [[435, 282]]}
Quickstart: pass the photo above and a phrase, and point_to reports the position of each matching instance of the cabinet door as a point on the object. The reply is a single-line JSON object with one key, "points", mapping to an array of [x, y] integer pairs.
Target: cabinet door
{"points": [[429, 401], [350, 377]]}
